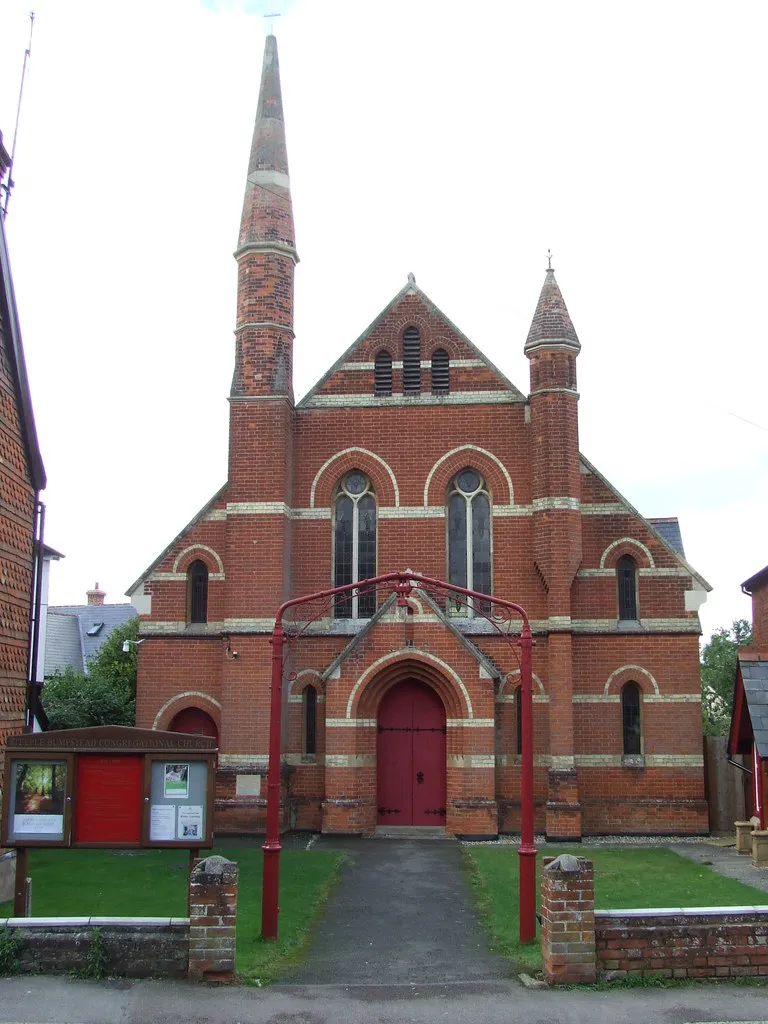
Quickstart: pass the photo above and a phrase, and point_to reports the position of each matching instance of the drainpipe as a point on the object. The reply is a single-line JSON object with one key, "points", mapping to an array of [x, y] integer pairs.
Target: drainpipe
{"points": [[34, 614]]}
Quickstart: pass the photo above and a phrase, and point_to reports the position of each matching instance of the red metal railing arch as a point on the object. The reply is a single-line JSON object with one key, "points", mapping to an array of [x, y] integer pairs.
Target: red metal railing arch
{"points": [[402, 584]]}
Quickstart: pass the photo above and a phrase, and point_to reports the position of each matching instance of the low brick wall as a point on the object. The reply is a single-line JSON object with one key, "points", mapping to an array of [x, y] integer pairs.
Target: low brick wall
{"points": [[133, 947], [712, 942], [579, 943], [201, 946]]}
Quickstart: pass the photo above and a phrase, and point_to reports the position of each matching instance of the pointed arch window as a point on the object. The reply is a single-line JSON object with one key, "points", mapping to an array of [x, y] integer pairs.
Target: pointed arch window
{"points": [[382, 373], [354, 551], [440, 372], [411, 361], [626, 579], [197, 592], [309, 724], [469, 537], [630, 719]]}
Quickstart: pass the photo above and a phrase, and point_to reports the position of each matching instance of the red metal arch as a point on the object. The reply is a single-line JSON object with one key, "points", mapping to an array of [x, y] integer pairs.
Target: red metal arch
{"points": [[403, 584]]}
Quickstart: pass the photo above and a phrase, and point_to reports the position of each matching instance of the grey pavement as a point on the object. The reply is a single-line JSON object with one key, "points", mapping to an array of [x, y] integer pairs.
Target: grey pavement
{"points": [[725, 861], [66, 1001], [401, 913]]}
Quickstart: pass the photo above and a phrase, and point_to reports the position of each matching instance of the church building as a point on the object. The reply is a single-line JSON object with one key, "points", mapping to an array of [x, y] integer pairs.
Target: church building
{"points": [[411, 716]]}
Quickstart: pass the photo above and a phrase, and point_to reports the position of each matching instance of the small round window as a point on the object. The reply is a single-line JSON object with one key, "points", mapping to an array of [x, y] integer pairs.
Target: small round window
{"points": [[468, 481], [355, 483]]}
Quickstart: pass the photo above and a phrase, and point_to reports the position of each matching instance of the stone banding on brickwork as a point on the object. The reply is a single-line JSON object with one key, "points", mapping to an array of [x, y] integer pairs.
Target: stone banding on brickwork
{"points": [[189, 698], [623, 546], [631, 673], [490, 469], [198, 551], [382, 674], [363, 464]]}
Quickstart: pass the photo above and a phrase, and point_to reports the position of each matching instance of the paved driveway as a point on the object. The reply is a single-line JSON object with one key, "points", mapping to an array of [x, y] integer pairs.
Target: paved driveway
{"points": [[401, 913]]}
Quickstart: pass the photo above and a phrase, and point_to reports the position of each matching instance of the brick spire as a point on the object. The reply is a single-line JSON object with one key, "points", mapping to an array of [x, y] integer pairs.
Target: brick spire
{"points": [[551, 322], [267, 212], [266, 252]]}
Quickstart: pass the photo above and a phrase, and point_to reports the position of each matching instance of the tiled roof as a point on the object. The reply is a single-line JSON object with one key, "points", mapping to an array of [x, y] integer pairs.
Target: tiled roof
{"points": [[755, 677], [669, 529], [74, 633], [551, 321]]}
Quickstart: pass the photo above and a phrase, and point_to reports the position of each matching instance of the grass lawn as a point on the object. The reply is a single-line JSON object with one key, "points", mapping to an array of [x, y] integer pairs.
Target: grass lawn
{"points": [[624, 878], [153, 883]]}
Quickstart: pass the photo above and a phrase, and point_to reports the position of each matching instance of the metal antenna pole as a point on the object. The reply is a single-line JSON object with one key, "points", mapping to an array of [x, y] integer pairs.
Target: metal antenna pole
{"points": [[27, 54]]}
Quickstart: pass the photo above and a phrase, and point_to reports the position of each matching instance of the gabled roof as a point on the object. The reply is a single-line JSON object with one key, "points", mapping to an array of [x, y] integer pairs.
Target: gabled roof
{"points": [[74, 633], [411, 288], [648, 523], [10, 338], [169, 547], [485, 663], [750, 708], [760, 579]]}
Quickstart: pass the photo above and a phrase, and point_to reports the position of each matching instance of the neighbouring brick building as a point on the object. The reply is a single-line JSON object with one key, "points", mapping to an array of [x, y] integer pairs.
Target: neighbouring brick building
{"points": [[414, 451], [22, 477], [749, 714]]}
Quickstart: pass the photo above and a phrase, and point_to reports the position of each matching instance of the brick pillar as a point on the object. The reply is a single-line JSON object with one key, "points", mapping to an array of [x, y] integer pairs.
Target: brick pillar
{"points": [[568, 920], [212, 919]]}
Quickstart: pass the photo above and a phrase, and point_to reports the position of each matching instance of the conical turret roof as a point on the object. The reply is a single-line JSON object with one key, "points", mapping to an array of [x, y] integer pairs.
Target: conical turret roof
{"points": [[267, 213], [551, 322]]}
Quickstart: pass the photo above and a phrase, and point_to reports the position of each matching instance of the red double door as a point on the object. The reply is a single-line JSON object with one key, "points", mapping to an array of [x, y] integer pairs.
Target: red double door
{"points": [[410, 756]]}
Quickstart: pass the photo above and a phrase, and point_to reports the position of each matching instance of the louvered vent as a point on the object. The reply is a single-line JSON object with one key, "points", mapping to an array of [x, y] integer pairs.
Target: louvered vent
{"points": [[411, 361], [440, 376], [382, 374]]}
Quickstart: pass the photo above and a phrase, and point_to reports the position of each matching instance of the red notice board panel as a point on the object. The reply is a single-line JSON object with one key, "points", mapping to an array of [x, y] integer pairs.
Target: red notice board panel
{"points": [[110, 796]]}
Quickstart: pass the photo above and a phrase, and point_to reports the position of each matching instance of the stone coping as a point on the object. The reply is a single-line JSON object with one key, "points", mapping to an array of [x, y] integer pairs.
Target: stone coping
{"points": [[94, 922], [761, 911]]}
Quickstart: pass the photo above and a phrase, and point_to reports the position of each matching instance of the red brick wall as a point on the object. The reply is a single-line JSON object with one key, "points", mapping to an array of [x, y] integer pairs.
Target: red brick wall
{"points": [[17, 510], [682, 944], [760, 617]]}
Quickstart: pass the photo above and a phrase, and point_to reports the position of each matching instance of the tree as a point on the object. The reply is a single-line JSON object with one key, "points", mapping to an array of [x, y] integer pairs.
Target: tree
{"points": [[718, 675], [106, 696]]}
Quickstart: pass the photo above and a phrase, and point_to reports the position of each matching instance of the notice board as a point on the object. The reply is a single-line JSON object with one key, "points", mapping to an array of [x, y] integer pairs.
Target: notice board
{"points": [[108, 786]]}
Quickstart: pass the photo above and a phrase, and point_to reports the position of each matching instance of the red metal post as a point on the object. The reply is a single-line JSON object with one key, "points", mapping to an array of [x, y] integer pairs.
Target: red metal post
{"points": [[527, 850], [271, 876]]}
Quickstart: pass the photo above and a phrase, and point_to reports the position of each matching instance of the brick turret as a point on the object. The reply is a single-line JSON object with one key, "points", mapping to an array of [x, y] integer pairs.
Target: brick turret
{"points": [[266, 253], [552, 347]]}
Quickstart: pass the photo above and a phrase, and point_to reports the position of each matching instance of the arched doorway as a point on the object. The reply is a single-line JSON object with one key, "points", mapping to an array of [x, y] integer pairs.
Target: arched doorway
{"points": [[194, 721], [410, 756]]}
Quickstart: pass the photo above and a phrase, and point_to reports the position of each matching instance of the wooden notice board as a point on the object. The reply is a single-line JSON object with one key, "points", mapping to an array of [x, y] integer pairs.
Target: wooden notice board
{"points": [[109, 786]]}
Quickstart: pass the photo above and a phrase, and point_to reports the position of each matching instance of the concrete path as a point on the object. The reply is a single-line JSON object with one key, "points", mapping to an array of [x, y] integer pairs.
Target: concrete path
{"points": [[400, 914], [66, 1001], [725, 861]]}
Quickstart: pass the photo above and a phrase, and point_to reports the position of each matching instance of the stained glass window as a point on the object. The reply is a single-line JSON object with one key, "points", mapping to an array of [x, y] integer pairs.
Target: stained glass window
{"points": [[354, 553], [469, 538]]}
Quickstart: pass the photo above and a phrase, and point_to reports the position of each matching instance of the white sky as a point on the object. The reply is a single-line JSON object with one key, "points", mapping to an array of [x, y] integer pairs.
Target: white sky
{"points": [[628, 137]]}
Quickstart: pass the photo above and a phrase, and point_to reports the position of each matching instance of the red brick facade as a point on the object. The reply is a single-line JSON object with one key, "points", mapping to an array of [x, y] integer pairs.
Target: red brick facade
{"points": [[21, 477], [558, 530]]}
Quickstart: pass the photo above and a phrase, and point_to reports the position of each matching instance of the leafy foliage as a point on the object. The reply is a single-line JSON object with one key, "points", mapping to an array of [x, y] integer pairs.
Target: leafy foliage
{"points": [[9, 951], [718, 675], [106, 696]]}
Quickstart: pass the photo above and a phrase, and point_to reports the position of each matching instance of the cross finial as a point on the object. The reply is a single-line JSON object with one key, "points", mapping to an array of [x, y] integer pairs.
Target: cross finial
{"points": [[275, 15], [549, 259]]}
